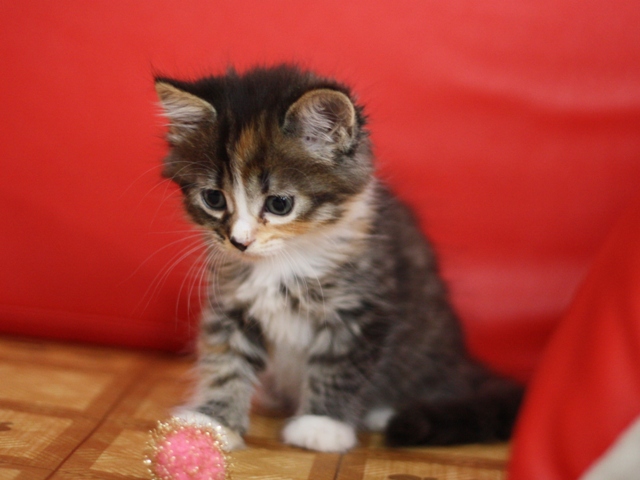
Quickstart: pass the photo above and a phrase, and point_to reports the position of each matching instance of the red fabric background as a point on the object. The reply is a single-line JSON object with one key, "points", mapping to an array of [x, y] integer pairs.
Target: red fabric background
{"points": [[511, 127], [587, 387]]}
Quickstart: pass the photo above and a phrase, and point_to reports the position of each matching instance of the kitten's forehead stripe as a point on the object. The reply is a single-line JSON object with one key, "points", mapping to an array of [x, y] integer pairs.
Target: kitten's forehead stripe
{"points": [[265, 181], [249, 152], [246, 145], [222, 152]]}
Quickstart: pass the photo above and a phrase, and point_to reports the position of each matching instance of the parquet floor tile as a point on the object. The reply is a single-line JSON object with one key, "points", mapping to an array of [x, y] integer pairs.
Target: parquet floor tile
{"points": [[16, 472], [70, 412]]}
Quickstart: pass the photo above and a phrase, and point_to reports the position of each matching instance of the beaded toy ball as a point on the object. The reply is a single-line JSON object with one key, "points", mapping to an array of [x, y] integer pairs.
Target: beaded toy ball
{"points": [[180, 450]]}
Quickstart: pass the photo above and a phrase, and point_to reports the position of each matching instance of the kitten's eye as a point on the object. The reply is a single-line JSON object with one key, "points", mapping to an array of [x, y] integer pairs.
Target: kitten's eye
{"points": [[279, 205], [214, 199]]}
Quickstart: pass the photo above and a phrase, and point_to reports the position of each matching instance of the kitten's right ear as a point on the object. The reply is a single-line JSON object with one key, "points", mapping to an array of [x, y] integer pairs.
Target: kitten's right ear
{"points": [[185, 111], [325, 120]]}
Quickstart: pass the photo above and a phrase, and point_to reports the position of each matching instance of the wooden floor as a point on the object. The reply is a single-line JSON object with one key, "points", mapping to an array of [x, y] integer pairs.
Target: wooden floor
{"points": [[84, 412]]}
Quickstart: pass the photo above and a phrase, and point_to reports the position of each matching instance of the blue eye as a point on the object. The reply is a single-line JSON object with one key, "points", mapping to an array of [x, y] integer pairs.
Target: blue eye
{"points": [[279, 205], [214, 199]]}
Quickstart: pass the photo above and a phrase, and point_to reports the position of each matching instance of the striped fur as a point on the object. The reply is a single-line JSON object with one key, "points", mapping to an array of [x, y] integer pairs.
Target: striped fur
{"points": [[324, 293]]}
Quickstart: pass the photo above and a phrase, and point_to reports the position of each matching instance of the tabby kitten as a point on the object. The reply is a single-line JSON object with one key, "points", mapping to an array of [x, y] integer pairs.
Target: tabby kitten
{"points": [[324, 294]]}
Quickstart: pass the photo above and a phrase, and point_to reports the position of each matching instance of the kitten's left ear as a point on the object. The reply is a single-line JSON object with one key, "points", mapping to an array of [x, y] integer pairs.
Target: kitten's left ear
{"points": [[185, 111], [325, 121]]}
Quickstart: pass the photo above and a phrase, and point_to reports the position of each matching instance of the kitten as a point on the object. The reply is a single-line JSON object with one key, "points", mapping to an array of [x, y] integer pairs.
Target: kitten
{"points": [[324, 292]]}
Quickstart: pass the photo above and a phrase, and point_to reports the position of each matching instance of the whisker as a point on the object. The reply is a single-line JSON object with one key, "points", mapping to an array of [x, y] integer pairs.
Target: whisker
{"points": [[165, 272], [161, 249]]}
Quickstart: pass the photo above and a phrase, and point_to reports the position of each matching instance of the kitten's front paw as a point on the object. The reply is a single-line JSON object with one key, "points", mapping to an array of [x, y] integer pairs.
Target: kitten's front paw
{"points": [[320, 433], [230, 439]]}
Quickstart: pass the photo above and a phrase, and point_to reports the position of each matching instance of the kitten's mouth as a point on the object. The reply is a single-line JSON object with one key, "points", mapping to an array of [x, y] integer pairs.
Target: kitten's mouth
{"points": [[250, 252], [246, 253]]}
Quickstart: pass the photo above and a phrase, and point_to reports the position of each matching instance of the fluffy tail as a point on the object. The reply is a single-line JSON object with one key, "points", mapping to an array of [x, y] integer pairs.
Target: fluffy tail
{"points": [[486, 416]]}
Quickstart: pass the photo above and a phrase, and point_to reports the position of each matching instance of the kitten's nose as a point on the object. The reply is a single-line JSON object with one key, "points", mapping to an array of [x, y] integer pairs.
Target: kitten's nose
{"points": [[242, 234], [240, 245]]}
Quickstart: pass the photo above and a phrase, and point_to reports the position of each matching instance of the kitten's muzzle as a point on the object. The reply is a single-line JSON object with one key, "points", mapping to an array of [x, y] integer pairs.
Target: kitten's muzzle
{"points": [[240, 245]]}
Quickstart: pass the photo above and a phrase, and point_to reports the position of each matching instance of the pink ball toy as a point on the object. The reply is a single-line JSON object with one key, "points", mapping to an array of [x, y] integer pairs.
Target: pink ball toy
{"points": [[184, 451]]}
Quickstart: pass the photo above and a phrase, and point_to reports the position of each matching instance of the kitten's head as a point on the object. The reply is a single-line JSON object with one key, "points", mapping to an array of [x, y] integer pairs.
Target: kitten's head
{"points": [[265, 157]]}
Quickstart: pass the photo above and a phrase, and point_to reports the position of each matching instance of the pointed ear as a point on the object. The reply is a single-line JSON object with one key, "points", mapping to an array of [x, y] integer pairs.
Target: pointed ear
{"points": [[184, 111], [324, 120]]}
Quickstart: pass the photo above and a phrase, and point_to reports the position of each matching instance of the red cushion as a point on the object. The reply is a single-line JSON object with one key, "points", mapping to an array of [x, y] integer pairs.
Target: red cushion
{"points": [[511, 127], [587, 387]]}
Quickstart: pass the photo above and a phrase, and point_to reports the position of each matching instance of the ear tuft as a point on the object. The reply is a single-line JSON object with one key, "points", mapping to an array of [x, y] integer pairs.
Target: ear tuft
{"points": [[184, 110], [324, 120]]}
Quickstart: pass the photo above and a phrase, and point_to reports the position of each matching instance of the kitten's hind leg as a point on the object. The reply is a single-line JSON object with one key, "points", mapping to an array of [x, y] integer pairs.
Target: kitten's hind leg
{"points": [[486, 416], [378, 418]]}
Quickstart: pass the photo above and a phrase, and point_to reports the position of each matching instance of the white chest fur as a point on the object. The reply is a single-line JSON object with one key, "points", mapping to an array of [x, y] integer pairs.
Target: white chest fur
{"points": [[288, 331], [281, 323]]}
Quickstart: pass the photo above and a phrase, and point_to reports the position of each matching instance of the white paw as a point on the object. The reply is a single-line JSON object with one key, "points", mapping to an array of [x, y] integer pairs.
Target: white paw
{"points": [[320, 433], [378, 418], [230, 439]]}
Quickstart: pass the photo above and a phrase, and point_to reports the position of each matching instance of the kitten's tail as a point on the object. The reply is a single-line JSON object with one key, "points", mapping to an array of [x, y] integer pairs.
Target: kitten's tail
{"points": [[486, 416]]}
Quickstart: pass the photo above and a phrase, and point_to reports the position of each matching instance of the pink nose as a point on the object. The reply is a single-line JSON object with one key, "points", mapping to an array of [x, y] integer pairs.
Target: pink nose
{"points": [[240, 245]]}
